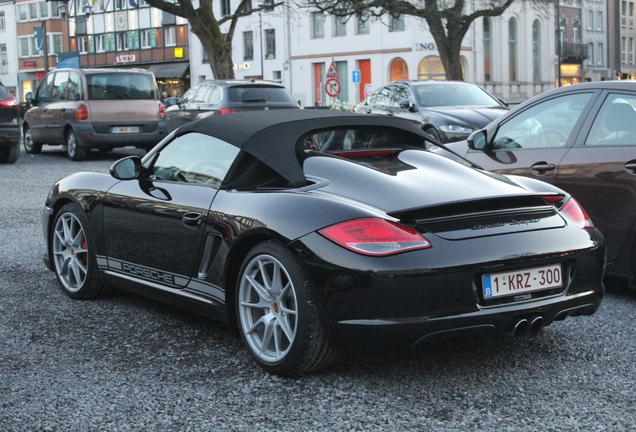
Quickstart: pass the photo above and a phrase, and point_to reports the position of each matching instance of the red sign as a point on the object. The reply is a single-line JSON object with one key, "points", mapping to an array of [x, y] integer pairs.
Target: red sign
{"points": [[28, 64], [332, 87], [39, 75], [333, 71]]}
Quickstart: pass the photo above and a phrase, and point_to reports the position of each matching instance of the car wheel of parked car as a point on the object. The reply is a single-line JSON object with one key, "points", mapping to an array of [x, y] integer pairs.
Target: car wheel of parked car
{"points": [[73, 255], [29, 146], [433, 132], [277, 313], [75, 152], [9, 154]]}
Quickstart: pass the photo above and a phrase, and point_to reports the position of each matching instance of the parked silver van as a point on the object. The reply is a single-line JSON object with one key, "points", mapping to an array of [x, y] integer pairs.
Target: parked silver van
{"points": [[94, 108]]}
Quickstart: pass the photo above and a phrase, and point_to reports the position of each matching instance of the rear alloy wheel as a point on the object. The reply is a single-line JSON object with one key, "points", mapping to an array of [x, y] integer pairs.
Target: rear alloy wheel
{"points": [[73, 256], [75, 152], [29, 146], [9, 154], [277, 314]]}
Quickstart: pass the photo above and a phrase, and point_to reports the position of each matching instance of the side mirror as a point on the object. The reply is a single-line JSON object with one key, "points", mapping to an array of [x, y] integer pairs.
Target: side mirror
{"points": [[478, 140], [29, 97], [127, 168]]}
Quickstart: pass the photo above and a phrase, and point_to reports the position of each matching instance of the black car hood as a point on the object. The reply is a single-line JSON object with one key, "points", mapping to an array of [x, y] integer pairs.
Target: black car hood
{"points": [[416, 179], [474, 117]]}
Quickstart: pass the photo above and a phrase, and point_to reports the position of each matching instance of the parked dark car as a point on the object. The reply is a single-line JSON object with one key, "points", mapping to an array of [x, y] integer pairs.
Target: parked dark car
{"points": [[581, 138], [9, 126], [94, 108], [309, 232], [447, 110], [215, 97]]}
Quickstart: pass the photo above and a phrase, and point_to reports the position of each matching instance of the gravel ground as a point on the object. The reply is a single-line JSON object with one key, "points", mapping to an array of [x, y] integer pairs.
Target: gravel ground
{"points": [[126, 363]]}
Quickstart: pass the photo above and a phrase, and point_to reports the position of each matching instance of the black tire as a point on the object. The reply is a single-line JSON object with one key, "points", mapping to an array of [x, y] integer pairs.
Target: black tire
{"points": [[278, 317], [29, 146], [74, 151], [434, 133], [73, 255], [9, 154]]}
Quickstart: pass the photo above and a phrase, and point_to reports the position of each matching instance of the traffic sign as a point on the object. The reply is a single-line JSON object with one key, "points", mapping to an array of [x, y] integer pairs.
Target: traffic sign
{"points": [[332, 87], [355, 76], [333, 71]]}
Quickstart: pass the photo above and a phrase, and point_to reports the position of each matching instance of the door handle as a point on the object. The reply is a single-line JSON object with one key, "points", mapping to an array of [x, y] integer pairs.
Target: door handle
{"points": [[542, 167], [192, 220], [630, 167]]}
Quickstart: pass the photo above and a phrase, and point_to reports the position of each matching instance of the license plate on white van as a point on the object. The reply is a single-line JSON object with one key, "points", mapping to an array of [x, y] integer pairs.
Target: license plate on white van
{"points": [[125, 129]]}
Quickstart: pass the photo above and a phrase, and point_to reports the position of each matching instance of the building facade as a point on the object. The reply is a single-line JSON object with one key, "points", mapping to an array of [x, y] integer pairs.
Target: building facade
{"points": [[8, 46]]}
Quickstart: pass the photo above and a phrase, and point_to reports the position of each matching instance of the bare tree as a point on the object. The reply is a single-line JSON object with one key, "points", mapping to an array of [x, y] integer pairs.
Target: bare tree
{"points": [[205, 25], [448, 20]]}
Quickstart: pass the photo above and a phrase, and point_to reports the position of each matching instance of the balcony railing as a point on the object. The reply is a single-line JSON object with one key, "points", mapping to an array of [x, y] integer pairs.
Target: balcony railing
{"points": [[573, 52]]}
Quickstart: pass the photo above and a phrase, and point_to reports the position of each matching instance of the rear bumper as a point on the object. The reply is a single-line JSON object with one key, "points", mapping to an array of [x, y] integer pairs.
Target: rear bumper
{"points": [[87, 137], [9, 136]]}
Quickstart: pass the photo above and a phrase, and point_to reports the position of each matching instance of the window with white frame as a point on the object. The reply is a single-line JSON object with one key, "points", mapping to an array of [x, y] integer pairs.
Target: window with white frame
{"points": [[55, 10], [396, 23], [339, 26], [99, 43], [600, 58], [624, 50], [122, 41], [170, 36], [23, 13], [3, 23], [512, 49], [55, 43], [24, 46], [248, 45], [590, 20], [631, 14], [146, 38], [363, 24], [225, 8], [44, 9], [33, 11], [81, 44], [631, 51], [575, 34], [4, 62], [623, 13], [317, 25], [590, 54], [270, 44]]}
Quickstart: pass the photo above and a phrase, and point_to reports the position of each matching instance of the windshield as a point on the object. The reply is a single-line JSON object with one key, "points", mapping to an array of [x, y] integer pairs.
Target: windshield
{"points": [[454, 95]]}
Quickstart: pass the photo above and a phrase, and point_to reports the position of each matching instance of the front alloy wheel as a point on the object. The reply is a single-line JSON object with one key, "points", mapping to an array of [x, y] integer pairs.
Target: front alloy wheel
{"points": [[72, 255], [278, 320]]}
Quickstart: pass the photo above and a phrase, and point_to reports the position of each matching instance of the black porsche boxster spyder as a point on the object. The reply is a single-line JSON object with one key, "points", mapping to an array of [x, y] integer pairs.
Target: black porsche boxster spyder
{"points": [[311, 232]]}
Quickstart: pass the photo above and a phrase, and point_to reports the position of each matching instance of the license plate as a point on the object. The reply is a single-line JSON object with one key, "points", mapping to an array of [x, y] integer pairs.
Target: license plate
{"points": [[522, 281], [125, 129]]}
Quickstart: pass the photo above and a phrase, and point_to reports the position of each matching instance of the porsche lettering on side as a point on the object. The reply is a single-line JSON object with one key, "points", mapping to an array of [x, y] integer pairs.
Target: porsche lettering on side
{"points": [[313, 232]]}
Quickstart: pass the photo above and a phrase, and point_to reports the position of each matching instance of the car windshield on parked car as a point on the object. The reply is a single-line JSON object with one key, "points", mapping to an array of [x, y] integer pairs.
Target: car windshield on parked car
{"points": [[311, 232], [581, 138], [447, 110]]}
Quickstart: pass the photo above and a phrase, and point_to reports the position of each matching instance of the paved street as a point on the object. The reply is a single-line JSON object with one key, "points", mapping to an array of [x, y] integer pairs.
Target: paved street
{"points": [[126, 363]]}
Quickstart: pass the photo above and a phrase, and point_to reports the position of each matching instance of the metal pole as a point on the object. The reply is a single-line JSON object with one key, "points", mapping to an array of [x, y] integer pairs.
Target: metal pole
{"points": [[558, 30], [45, 48], [260, 31]]}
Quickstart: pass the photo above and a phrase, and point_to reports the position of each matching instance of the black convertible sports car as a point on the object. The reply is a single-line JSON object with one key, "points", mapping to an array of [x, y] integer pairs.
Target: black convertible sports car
{"points": [[309, 232]]}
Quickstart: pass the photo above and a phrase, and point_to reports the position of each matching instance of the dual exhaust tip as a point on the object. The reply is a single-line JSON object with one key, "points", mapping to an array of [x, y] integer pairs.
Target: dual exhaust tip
{"points": [[531, 325]]}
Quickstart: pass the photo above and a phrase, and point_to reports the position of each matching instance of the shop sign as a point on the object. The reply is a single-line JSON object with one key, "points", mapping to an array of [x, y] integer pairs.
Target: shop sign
{"points": [[425, 46], [39, 75], [28, 64], [178, 52], [125, 58], [241, 66]]}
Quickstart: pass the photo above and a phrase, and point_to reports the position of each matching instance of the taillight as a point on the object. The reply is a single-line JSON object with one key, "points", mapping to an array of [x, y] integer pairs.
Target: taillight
{"points": [[578, 215], [9, 103], [162, 111], [377, 237], [82, 112], [225, 111]]}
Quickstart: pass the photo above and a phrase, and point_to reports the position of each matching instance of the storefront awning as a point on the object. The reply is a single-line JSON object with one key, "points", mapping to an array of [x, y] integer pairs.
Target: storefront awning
{"points": [[169, 70]]}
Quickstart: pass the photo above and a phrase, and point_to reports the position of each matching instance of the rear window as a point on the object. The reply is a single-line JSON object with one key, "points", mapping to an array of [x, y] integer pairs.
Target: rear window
{"points": [[4, 93], [259, 94], [117, 86]]}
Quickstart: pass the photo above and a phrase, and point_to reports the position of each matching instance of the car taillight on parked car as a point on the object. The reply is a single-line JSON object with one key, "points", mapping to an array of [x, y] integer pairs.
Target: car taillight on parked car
{"points": [[225, 111], [9, 103], [377, 237], [82, 112], [162, 111], [578, 214]]}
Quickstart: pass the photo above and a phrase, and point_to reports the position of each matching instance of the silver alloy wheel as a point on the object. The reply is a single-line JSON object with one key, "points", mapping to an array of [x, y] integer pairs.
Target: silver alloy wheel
{"points": [[70, 252], [268, 308], [71, 144], [28, 140]]}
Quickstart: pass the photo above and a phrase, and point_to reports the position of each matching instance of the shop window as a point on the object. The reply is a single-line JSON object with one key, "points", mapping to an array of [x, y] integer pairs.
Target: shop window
{"points": [[431, 68], [399, 70]]}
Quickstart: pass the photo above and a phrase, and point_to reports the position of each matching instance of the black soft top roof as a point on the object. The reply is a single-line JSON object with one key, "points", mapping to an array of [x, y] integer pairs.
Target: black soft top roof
{"points": [[271, 136]]}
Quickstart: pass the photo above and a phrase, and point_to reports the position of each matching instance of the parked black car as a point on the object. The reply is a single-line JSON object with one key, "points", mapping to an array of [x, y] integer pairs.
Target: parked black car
{"points": [[311, 231], [447, 110], [581, 138], [9, 126], [215, 97]]}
